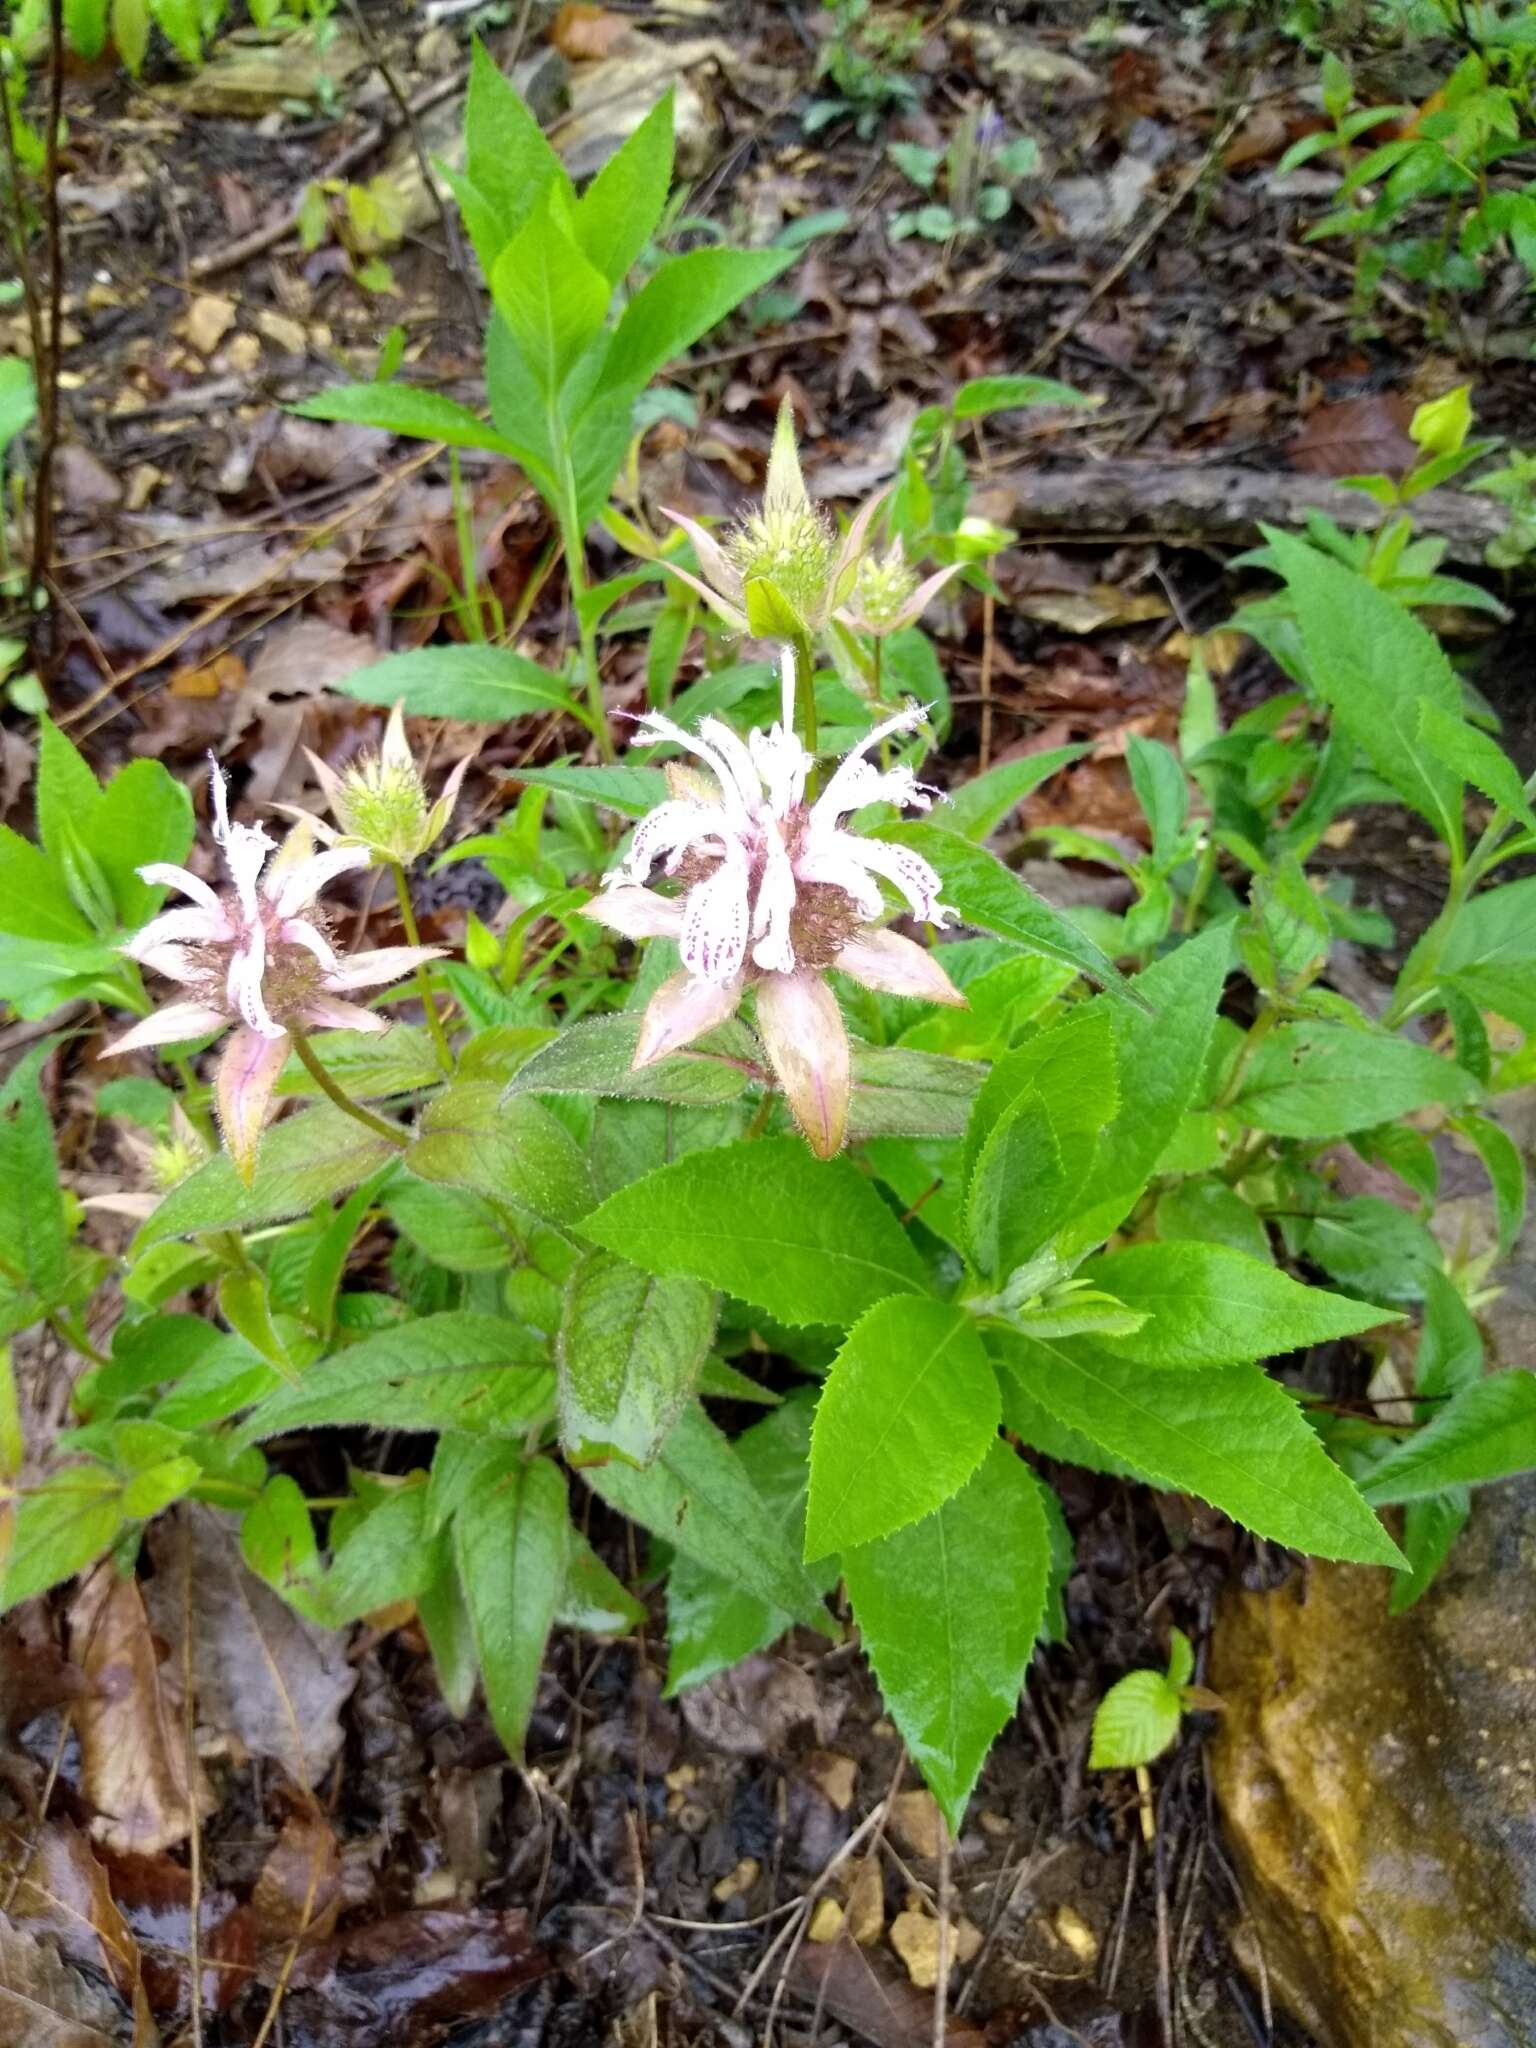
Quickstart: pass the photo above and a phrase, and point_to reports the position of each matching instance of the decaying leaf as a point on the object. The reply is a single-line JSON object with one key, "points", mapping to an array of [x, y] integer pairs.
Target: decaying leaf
{"points": [[877, 2007], [261, 1673], [46, 2003], [416, 1968], [56, 1886], [298, 1893], [134, 1767], [1356, 436]]}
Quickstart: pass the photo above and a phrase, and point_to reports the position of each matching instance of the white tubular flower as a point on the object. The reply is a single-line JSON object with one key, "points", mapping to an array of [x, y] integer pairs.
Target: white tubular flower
{"points": [[257, 956], [775, 892]]}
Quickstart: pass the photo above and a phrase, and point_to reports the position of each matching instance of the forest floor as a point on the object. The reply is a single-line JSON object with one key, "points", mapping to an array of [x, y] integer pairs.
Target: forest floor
{"points": [[668, 1870]]}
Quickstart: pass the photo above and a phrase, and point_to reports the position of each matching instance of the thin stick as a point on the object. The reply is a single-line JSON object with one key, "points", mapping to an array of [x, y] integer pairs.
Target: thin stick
{"points": [[423, 979], [1138, 245], [48, 367], [988, 639], [941, 1980]]}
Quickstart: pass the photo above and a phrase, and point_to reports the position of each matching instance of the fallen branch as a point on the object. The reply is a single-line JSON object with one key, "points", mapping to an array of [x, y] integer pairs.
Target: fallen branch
{"points": [[1213, 503]]}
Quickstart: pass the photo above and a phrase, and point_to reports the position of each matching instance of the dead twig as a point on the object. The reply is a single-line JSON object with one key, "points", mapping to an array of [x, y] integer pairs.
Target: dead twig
{"points": [[46, 366]]}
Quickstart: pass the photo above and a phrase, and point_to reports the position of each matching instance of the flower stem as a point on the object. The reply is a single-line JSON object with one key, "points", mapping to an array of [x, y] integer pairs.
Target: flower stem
{"points": [[805, 690], [332, 1089], [423, 979]]}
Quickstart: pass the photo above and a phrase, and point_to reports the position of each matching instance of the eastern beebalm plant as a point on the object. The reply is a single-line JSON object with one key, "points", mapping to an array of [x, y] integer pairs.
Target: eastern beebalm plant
{"points": [[801, 1099]]}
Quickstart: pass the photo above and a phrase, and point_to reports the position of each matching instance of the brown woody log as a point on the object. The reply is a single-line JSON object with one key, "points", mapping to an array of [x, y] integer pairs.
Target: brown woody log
{"points": [[1213, 503]]}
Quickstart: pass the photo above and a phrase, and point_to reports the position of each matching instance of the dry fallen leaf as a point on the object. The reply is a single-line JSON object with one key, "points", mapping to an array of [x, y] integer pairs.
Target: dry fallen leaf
{"points": [[133, 1750], [262, 1674], [750, 1709], [299, 1890], [1090, 611], [46, 2003], [1356, 436], [209, 678], [55, 1886], [879, 2008], [737, 1881], [582, 33]]}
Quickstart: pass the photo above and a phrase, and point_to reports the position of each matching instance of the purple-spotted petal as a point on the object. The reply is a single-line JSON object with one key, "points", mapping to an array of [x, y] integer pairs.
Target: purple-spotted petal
{"points": [[635, 913], [248, 1073], [384, 964], [174, 1024], [806, 1040], [175, 963], [715, 913], [682, 1010], [897, 967]]}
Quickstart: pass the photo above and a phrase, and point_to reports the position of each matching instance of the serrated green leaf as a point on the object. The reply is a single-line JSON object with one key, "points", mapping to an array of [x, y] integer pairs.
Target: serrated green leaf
{"points": [[697, 1497], [404, 409], [34, 1237], [305, 1159], [1322, 1080], [617, 214], [986, 893], [632, 1346], [1505, 1168], [1231, 1435], [682, 299], [712, 1624], [61, 1527], [593, 1599], [507, 156], [513, 1150], [948, 1611], [1376, 666], [458, 1371], [899, 1092], [1370, 1246], [489, 685], [980, 396], [1486, 1431], [905, 1417], [978, 807], [1208, 1306], [1137, 1719], [512, 1541], [596, 1057], [809, 1240], [552, 301], [630, 791], [1473, 755], [1209, 1211]]}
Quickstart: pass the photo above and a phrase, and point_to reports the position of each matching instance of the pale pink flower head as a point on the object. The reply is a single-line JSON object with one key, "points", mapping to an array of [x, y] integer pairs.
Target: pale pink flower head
{"points": [[380, 800], [781, 569], [257, 955], [774, 891]]}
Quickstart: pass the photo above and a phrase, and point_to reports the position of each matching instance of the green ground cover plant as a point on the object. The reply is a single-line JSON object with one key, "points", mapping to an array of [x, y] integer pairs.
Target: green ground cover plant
{"points": [[819, 1187]]}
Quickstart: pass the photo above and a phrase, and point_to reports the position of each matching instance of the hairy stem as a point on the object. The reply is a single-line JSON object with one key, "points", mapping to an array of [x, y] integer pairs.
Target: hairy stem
{"points": [[334, 1092], [423, 979]]}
